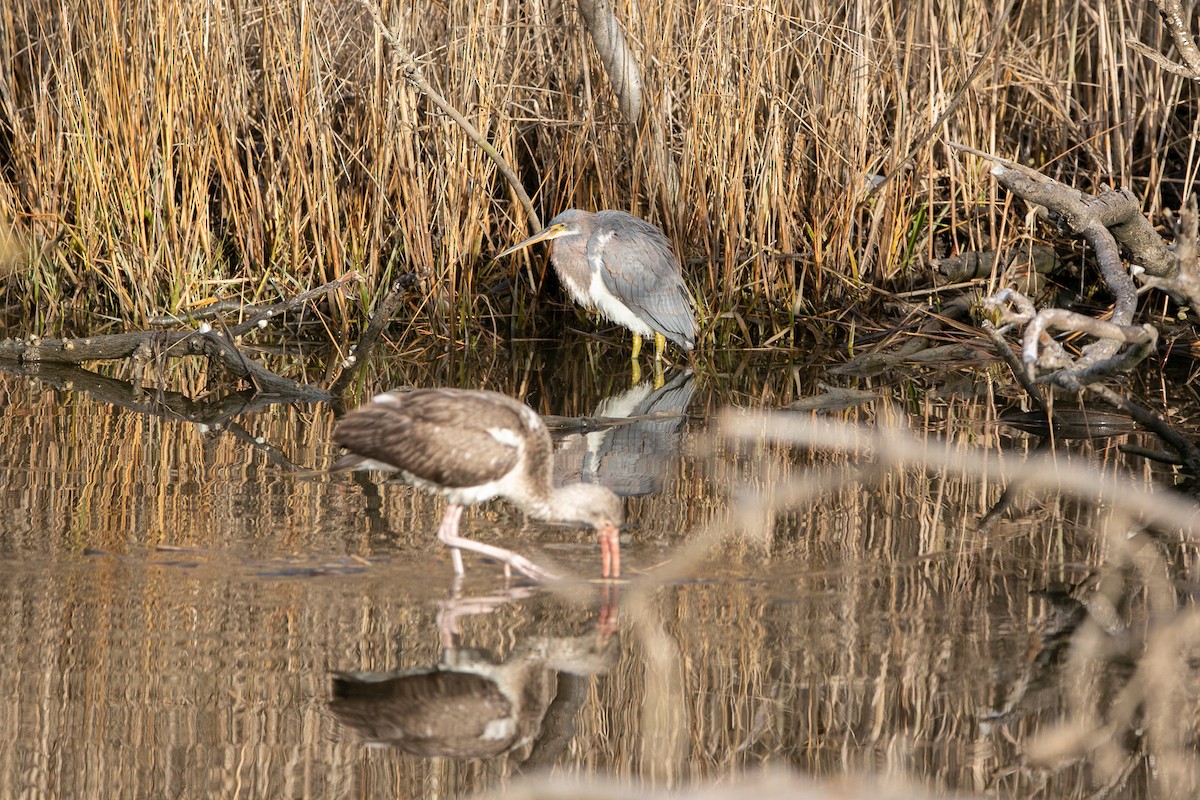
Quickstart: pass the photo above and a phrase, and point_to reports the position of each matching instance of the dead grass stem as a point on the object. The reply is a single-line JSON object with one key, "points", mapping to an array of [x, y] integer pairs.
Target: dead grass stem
{"points": [[154, 155]]}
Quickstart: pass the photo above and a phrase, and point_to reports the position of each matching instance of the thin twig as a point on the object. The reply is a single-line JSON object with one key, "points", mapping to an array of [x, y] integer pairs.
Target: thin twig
{"points": [[375, 326], [1178, 25], [1014, 364], [412, 73], [260, 319], [1189, 453]]}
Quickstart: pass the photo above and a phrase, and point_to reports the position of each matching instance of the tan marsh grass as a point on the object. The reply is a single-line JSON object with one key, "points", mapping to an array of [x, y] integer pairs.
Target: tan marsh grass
{"points": [[153, 155]]}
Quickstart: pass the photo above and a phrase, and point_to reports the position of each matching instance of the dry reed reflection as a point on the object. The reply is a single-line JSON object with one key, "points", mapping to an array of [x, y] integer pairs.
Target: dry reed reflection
{"points": [[821, 594], [471, 704]]}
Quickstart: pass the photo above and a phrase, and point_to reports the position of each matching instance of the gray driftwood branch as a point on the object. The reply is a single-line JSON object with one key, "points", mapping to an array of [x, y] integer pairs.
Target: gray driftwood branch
{"points": [[1185, 285], [625, 75], [1041, 352], [618, 59], [1179, 28], [1110, 222], [147, 346], [1094, 219], [218, 345]]}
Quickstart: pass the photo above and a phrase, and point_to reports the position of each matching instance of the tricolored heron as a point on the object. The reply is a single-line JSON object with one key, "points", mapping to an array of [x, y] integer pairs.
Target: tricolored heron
{"points": [[470, 446], [623, 267]]}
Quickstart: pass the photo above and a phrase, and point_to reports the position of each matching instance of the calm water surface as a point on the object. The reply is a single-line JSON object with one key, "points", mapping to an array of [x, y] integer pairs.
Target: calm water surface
{"points": [[176, 599]]}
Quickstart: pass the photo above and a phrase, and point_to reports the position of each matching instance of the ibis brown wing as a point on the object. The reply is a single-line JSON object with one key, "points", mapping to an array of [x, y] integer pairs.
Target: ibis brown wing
{"points": [[451, 438]]}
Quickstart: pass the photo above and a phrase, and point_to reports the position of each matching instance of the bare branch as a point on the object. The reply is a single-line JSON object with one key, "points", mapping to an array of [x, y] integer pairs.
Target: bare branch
{"points": [[1158, 58], [375, 326], [1093, 217], [1177, 25], [1103, 220], [260, 319], [412, 74], [1186, 284], [1118, 211], [1188, 452], [145, 346], [625, 75], [619, 62], [1040, 351], [1186, 246], [1031, 388]]}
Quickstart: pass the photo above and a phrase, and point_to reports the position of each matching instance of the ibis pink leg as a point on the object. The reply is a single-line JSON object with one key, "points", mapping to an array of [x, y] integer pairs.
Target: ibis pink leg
{"points": [[449, 530], [448, 534], [610, 552]]}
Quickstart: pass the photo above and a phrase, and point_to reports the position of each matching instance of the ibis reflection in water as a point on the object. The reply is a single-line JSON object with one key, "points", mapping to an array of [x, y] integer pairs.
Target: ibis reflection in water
{"points": [[471, 446], [622, 267], [473, 705]]}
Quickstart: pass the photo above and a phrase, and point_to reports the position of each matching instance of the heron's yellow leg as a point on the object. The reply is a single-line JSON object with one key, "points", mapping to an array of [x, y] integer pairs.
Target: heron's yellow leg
{"points": [[636, 370], [637, 346], [660, 344]]}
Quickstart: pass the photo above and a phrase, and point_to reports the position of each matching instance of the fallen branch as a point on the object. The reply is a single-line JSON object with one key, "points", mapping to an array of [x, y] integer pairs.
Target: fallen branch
{"points": [[1109, 222], [378, 321], [1177, 25], [1185, 285], [1041, 351], [1078, 212], [1188, 454], [147, 346]]}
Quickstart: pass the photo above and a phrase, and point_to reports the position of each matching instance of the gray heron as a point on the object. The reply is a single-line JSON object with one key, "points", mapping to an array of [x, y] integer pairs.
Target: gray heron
{"points": [[624, 268]]}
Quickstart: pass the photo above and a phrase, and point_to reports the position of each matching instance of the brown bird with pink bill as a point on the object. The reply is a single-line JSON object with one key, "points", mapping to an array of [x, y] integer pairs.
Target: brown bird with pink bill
{"points": [[470, 446]]}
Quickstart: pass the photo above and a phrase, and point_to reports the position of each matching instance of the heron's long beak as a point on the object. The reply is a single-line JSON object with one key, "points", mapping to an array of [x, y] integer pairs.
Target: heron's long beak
{"points": [[544, 235]]}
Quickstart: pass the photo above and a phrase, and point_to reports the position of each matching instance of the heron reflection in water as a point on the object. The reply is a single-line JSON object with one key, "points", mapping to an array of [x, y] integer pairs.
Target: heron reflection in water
{"points": [[622, 267]]}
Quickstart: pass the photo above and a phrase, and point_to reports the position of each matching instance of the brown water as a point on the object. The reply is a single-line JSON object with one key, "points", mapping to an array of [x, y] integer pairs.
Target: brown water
{"points": [[176, 600]]}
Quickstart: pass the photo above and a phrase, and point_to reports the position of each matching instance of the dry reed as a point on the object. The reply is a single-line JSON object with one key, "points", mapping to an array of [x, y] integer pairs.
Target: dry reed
{"points": [[155, 155]]}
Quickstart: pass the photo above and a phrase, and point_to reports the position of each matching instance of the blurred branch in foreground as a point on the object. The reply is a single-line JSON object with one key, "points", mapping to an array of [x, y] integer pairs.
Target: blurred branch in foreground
{"points": [[1135, 635]]}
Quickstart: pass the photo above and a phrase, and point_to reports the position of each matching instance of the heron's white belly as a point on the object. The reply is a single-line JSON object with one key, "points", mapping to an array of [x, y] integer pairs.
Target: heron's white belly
{"points": [[598, 297]]}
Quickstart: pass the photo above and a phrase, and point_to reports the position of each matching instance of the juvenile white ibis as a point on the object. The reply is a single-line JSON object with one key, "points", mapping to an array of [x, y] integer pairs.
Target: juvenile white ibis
{"points": [[624, 268], [470, 446]]}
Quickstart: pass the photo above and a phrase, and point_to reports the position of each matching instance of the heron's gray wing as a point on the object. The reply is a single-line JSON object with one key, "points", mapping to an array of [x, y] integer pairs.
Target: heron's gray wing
{"points": [[450, 438], [638, 266]]}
